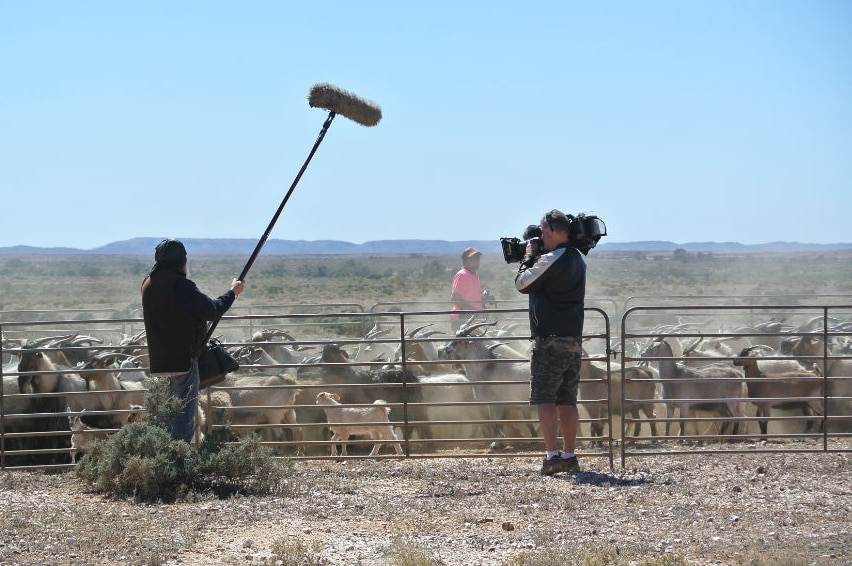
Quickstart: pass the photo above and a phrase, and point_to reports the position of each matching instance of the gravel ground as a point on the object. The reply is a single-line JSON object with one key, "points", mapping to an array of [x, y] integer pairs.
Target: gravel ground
{"points": [[790, 508]]}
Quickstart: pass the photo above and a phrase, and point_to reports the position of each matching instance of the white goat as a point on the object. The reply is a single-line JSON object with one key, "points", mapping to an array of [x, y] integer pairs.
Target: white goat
{"points": [[489, 375], [347, 421], [102, 376], [131, 370], [449, 403], [259, 399], [279, 345]]}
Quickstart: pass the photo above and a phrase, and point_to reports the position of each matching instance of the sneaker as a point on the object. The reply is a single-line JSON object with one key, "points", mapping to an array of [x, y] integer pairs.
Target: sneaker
{"points": [[551, 466], [569, 465]]}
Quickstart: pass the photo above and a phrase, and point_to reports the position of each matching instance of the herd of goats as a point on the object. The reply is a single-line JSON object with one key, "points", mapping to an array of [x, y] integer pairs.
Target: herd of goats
{"points": [[430, 389]]}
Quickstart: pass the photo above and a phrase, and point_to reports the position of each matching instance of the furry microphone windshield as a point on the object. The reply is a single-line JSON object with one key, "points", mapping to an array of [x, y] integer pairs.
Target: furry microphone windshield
{"points": [[339, 101]]}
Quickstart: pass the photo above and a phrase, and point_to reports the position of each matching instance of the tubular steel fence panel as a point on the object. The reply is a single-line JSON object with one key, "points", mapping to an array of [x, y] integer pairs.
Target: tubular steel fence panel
{"points": [[434, 408], [736, 328]]}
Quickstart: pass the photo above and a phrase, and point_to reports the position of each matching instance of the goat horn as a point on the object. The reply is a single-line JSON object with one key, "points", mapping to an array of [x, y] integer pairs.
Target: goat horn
{"points": [[693, 345], [467, 329], [80, 339], [376, 331], [288, 336], [51, 341], [413, 332], [65, 339], [811, 324]]}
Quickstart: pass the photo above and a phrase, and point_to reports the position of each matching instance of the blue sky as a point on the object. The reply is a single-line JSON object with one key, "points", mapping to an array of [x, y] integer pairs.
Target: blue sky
{"points": [[683, 121]]}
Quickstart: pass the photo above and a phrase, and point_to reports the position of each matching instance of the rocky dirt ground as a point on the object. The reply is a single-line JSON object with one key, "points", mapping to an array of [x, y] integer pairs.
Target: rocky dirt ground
{"points": [[756, 508]]}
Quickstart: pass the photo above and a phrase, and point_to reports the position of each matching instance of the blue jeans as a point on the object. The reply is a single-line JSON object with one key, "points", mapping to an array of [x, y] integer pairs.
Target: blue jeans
{"points": [[185, 388]]}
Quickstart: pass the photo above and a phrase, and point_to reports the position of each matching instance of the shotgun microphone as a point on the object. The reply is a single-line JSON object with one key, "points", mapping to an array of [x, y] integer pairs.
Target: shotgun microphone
{"points": [[339, 101]]}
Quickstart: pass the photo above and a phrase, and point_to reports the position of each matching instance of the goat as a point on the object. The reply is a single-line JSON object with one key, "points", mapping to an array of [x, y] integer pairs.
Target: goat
{"points": [[346, 421], [715, 348], [710, 387], [373, 351], [485, 370], [331, 371], [768, 363], [780, 394], [448, 402], [130, 369], [102, 376], [136, 415], [82, 434], [269, 339], [771, 333], [48, 348], [15, 405], [258, 399], [359, 386], [810, 349], [593, 385], [69, 349], [339, 375], [215, 403], [256, 355], [420, 349], [48, 378], [398, 386]]}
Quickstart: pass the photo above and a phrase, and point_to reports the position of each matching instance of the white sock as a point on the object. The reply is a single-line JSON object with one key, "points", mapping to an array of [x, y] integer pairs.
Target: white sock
{"points": [[566, 455], [552, 454]]}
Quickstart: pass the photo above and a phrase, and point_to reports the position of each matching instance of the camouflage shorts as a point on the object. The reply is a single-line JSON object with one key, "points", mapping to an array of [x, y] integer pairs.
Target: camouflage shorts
{"points": [[555, 369]]}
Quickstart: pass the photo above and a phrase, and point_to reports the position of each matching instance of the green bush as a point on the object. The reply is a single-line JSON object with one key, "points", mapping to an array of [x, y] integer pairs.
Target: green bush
{"points": [[143, 461]]}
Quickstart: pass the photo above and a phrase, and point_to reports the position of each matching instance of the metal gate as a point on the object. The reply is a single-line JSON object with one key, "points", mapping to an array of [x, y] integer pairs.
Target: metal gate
{"points": [[434, 408]]}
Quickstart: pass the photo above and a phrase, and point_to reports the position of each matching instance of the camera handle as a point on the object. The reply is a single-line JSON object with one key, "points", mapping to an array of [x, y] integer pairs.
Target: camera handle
{"points": [[272, 222]]}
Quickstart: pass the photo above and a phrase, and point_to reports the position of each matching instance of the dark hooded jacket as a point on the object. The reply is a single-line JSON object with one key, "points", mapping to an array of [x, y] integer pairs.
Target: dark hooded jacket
{"points": [[176, 314]]}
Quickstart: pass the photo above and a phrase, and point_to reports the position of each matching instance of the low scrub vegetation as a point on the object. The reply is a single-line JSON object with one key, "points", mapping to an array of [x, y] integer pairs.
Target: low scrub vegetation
{"points": [[143, 461]]}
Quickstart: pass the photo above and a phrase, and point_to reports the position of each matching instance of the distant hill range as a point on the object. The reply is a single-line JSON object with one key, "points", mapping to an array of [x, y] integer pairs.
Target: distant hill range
{"points": [[145, 246]]}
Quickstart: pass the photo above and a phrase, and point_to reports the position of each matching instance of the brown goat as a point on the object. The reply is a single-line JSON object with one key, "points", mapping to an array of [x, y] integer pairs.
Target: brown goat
{"points": [[786, 390]]}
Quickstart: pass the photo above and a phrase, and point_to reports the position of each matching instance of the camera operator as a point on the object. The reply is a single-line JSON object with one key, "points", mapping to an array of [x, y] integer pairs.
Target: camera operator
{"points": [[553, 274]]}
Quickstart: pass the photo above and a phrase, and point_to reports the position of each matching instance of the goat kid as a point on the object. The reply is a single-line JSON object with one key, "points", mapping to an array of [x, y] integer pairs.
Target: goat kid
{"points": [[82, 434], [347, 421]]}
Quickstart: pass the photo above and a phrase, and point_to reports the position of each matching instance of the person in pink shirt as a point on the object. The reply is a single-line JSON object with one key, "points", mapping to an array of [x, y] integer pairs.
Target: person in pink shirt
{"points": [[467, 290]]}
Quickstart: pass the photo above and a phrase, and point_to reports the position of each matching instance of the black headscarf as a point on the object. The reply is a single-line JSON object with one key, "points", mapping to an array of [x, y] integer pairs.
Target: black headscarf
{"points": [[169, 253]]}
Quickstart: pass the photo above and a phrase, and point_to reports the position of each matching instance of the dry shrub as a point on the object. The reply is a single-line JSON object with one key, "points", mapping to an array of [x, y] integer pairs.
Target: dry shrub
{"points": [[143, 461]]}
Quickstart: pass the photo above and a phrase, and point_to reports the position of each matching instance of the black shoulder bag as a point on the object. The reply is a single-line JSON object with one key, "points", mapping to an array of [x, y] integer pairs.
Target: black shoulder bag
{"points": [[214, 363]]}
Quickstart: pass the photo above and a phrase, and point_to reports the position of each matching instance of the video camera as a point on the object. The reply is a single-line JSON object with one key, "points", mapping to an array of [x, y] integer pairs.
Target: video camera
{"points": [[584, 233]]}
